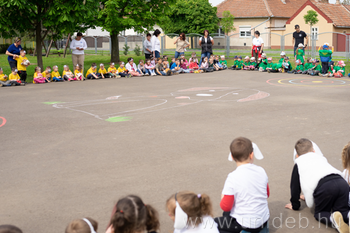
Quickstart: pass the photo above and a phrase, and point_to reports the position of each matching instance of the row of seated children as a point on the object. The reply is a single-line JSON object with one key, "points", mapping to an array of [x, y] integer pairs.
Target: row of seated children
{"points": [[243, 200]]}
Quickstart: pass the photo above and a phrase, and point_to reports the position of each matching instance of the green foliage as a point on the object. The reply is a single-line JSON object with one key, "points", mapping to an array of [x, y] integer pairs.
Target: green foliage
{"points": [[126, 49], [311, 17], [227, 22], [345, 2], [190, 16], [3, 48], [137, 50]]}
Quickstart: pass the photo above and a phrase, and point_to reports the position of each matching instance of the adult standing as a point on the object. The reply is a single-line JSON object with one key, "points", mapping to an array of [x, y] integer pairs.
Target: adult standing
{"points": [[13, 51], [298, 38], [78, 45], [181, 45], [147, 46], [206, 42], [155, 44], [257, 45]]}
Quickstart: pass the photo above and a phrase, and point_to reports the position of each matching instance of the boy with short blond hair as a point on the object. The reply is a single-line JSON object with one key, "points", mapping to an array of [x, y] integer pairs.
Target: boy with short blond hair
{"points": [[22, 64]]}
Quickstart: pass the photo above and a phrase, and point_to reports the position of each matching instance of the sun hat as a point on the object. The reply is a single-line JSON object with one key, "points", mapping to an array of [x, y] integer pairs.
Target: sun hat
{"points": [[283, 53], [300, 45]]}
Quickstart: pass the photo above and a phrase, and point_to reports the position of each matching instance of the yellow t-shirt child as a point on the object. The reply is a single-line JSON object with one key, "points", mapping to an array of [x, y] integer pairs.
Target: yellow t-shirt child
{"points": [[121, 70], [47, 74], [14, 77], [55, 74], [112, 70], [90, 71], [3, 78], [19, 60], [104, 71], [64, 72]]}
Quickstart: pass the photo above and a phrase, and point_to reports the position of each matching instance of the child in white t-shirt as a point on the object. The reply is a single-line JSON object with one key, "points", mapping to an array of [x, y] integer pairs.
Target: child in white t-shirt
{"points": [[191, 213], [244, 197]]}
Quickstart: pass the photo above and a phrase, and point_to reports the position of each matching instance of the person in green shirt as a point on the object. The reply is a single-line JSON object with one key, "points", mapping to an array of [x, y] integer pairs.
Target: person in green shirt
{"points": [[253, 64], [263, 63], [300, 55], [287, 65], [239, 64], [308, 65], [339, 70], [283, 56], [325, 57], [246, 63], [223, 62], [299, 68], [235, 59], [316, 68], [269, 65]]}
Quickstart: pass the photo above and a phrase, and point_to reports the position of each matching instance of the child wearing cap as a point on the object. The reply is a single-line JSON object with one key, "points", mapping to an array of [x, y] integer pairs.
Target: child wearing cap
{"points": [[113, 71], [245, 193], [287, 66], [325, 57], [38, 76], [339, 70], [235, 59], [14, 79], [315, 69], [131, 67], [92, 72], [283, 56], [269, 65], [22, 64], [252, 63], [223, 62], [264, 62], [298, 69], [300, 55], [47, 73], [78, 73], [102, 72], [55, 75], [122, 71], [239, 64], [67, 74], [246, 63]]}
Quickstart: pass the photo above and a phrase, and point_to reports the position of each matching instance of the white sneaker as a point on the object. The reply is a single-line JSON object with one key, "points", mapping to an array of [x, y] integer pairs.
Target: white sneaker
{"points": [[338, 222]]}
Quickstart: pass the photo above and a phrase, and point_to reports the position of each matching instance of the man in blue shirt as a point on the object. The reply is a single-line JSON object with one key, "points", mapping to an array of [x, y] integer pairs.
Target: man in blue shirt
{"points": [[13, 51]]}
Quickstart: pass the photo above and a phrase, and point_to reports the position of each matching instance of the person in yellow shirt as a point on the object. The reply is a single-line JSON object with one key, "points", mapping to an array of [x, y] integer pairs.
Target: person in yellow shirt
{"points": [[38, 76], [67, 74], [92, 72], [14, 79], [55, 75], [4, 79], [78, 73], [122, 71], [113, 71], [102, 72], [47, 73], [22, 64]]}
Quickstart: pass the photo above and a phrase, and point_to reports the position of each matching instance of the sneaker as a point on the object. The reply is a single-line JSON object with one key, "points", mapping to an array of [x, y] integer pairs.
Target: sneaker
{"points": [[1, 85], [128, 76], [268, 71], [147, 74], [338, 222]]}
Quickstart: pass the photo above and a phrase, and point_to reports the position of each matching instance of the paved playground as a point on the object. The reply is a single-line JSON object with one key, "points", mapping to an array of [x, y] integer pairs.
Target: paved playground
{"points": [[71, 150]]}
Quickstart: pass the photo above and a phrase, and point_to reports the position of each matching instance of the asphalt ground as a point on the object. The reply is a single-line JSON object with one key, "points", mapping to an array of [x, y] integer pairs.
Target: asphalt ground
{"points": [[71, 150]]}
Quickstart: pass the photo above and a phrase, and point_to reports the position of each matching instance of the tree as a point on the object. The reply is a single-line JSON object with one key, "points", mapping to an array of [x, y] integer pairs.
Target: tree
{"points": [[227, 22], [119, 15], [345, 2], [191, 16], [46, 17], [311, 18]]}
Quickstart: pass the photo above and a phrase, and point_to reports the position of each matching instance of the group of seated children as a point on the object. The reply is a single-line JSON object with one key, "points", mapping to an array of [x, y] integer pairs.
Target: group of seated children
{"points": [[311, 67], [243, 200]]}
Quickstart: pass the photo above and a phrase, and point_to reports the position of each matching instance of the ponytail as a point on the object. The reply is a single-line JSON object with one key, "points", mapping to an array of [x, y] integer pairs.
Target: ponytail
{"points": [[206, 206], [152, 223], [122, 223]]}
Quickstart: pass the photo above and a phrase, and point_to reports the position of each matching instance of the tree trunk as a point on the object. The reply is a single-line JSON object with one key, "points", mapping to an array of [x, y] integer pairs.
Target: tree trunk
{"points": [[115, 47], [38, 46]]}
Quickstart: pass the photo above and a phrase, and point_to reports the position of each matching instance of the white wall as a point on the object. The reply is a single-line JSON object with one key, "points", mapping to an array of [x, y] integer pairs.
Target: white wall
{"points": [[99, 32]]}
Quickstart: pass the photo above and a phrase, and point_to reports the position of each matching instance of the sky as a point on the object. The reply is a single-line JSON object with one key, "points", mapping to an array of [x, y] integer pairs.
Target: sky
{"points": [[216, 2]]}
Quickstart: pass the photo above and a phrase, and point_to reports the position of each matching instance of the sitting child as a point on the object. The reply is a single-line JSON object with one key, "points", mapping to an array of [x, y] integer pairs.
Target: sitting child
{"points": [[14, 79], [193, 65], [165, 61], [269, 65], [38, 76], [322, 185], [84, 225], [193, 58], [166, 67], [184, 66], [150, 69], [173, 59], [286, 65], [191, 212], [102, 72], [113, 71], [131, 67], [160, 68], [298, 69], [205, 65], [55, 75], [246, 63], [141, 68], [212, 65], [131, 214], [175, 67], [92, 72], [235, 59], [3, 78], [223, 62], [252, 63], [184, 60], [315, 68], [78, 73], [245, 193], [122, 71], [339, 70], [308, 65], [239, 63], [263, 64], [217, 62], [47, 73]]}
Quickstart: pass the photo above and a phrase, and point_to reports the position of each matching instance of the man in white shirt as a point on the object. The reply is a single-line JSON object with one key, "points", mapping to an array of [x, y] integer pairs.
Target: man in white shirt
{"points": [[78, 45]]}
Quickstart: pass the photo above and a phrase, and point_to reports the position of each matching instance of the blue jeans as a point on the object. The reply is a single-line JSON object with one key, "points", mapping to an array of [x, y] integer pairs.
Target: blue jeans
{"points": [[178, 54], [162, 72], [156, 54], [56, 79], [203, 55]]}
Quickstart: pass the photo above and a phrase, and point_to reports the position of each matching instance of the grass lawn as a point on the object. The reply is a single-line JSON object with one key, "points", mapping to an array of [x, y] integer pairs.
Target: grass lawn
{"points": [[104, 57]]}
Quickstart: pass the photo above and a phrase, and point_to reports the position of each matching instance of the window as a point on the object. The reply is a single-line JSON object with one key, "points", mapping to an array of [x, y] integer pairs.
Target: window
{"points": [[245, 31], [314, 33], [220, 32]]}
